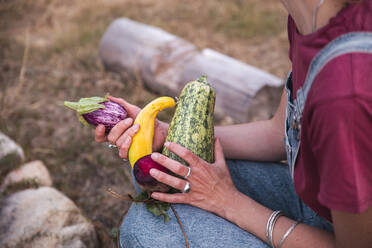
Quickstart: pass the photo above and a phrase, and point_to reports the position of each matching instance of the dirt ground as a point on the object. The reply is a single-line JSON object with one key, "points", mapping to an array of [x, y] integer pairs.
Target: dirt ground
{"points": [[48, 54]]}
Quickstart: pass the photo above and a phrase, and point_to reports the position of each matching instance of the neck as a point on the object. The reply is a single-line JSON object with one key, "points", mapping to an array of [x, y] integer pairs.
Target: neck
{"points": [[302, 11]]}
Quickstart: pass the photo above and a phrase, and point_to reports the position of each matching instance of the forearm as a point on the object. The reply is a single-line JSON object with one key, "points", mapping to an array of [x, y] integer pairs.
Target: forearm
{"points": [[252, 217], [257, 141]]}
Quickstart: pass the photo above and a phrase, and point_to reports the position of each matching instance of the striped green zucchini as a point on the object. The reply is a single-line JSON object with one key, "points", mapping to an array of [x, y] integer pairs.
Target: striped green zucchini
{"points": [[192, 124]]}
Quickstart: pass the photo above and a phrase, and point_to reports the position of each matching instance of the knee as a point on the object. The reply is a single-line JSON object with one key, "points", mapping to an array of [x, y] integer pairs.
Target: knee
{"points": [[141, 229], [129, 236]]}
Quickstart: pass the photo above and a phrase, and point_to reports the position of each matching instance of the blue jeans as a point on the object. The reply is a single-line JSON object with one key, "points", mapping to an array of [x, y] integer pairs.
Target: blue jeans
{"points": [[268, 183]]}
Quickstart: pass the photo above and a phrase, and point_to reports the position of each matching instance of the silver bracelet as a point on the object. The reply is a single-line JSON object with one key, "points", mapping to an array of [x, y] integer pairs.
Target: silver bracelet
{"points": [[288, 232], [270, 226]]}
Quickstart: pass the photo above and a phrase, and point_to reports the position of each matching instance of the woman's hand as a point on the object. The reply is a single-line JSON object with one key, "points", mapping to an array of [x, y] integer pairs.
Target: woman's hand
{"points": [[121, 134], [211, 184]]}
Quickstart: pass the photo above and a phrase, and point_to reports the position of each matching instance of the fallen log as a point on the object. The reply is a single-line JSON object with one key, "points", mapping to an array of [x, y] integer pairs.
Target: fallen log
{"points": [[166, 63]]}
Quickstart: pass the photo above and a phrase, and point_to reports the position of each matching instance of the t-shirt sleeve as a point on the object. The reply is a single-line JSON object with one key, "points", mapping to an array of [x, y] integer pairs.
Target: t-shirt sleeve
{"points": [[341, 138]]}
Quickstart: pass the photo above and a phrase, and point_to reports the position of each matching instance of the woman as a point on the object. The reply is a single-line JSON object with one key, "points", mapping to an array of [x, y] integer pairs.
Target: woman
{"points": [[326, 199]]}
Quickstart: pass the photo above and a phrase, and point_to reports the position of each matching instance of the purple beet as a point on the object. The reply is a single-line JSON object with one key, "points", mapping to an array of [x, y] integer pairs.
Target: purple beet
{"points": [[141, 171], [109, 116]]}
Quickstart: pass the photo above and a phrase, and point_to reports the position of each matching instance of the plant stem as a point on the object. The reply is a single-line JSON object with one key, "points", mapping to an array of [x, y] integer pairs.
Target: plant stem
{"points": [[181, 226]]}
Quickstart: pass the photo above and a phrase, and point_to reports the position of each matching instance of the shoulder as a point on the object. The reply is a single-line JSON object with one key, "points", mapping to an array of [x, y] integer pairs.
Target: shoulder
{"points": [[347, 76]]}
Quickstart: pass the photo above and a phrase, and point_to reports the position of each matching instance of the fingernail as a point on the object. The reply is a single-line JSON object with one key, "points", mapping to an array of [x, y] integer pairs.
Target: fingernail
{"points": [[136, 127], [153, 172], [167, 144], [155, 156], [128, 120], [154, 195]]}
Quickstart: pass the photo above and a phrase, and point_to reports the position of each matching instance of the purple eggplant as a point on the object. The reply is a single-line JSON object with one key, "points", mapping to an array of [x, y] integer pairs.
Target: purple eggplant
{"points": [[93, 111], [141, 171]]}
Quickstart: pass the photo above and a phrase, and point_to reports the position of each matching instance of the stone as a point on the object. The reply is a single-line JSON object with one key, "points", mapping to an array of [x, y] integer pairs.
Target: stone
{"points": [[34, 171], [42, 218], [10, 150]]}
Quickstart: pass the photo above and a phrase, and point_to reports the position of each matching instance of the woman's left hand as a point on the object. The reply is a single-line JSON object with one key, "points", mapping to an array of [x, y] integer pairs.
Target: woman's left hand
{"points": [[211, 185]]}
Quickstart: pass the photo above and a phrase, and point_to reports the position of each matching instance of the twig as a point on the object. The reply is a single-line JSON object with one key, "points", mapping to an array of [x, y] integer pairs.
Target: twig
{"points": [[24, 62], [130, 198], [181, 226], [126, 198], [21, 73]]}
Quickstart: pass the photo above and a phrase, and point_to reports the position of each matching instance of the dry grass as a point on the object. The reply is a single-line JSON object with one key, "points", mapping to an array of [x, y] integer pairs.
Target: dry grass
{"points": [[48, 54]]}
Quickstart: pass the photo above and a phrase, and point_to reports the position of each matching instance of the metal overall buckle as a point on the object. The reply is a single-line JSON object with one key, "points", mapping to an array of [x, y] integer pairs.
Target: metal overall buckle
{"points": [[296, 125]]}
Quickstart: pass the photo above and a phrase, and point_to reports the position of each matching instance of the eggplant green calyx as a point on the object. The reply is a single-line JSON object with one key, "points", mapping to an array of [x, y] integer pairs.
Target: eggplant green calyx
{"points": [[87, 105]]}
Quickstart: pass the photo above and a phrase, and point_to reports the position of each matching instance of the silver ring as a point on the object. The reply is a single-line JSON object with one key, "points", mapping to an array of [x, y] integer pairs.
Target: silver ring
{"points": [[112, 146], [187, 188], [125, 160], [188, 173]]}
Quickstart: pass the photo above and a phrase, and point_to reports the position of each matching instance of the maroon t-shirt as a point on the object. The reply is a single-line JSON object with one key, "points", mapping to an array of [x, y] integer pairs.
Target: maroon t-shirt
{"points": [[334, 165]]}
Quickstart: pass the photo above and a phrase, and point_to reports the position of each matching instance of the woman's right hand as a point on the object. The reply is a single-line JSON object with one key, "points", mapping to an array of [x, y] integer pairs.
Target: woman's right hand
{"points": [[122, 133]]}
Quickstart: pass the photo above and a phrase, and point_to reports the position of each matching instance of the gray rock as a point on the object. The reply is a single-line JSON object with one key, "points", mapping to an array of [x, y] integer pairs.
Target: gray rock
{"points": [[34, 171], [44, 217], [8, 148]]}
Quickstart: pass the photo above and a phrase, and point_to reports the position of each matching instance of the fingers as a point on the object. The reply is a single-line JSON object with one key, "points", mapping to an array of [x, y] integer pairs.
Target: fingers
{"points": [[127, 135], [172, 198], [118, 130], [125, 140], [183, 153], [170, 164], [165, 178], [99, 133], [132, 110]]}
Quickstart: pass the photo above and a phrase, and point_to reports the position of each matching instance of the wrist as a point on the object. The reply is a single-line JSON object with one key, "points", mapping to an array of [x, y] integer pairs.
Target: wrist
{"points": [[246, 213], [231, 205]]}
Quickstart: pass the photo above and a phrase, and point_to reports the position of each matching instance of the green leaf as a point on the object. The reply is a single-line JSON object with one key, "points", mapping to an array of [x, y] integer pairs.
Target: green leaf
{"points": [[114, 233], [142, 197], [159, 208]]}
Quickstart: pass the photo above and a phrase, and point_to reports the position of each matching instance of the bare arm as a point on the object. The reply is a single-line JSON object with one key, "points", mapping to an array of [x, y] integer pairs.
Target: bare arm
{"points": [[258, 141], [350, 230], [353, 230], [252, 217]]}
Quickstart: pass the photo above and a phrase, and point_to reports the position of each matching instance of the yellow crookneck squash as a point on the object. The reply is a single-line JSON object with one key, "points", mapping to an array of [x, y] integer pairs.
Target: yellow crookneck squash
{"points": [[143, 139]]}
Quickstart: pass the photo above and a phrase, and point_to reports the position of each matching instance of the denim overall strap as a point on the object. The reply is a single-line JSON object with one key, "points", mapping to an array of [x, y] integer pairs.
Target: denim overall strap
{"points": [[356, 42]]}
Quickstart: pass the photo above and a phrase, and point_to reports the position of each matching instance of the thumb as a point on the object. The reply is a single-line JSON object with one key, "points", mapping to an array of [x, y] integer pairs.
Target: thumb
{"points": [[219, 157], [132, 110]]}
